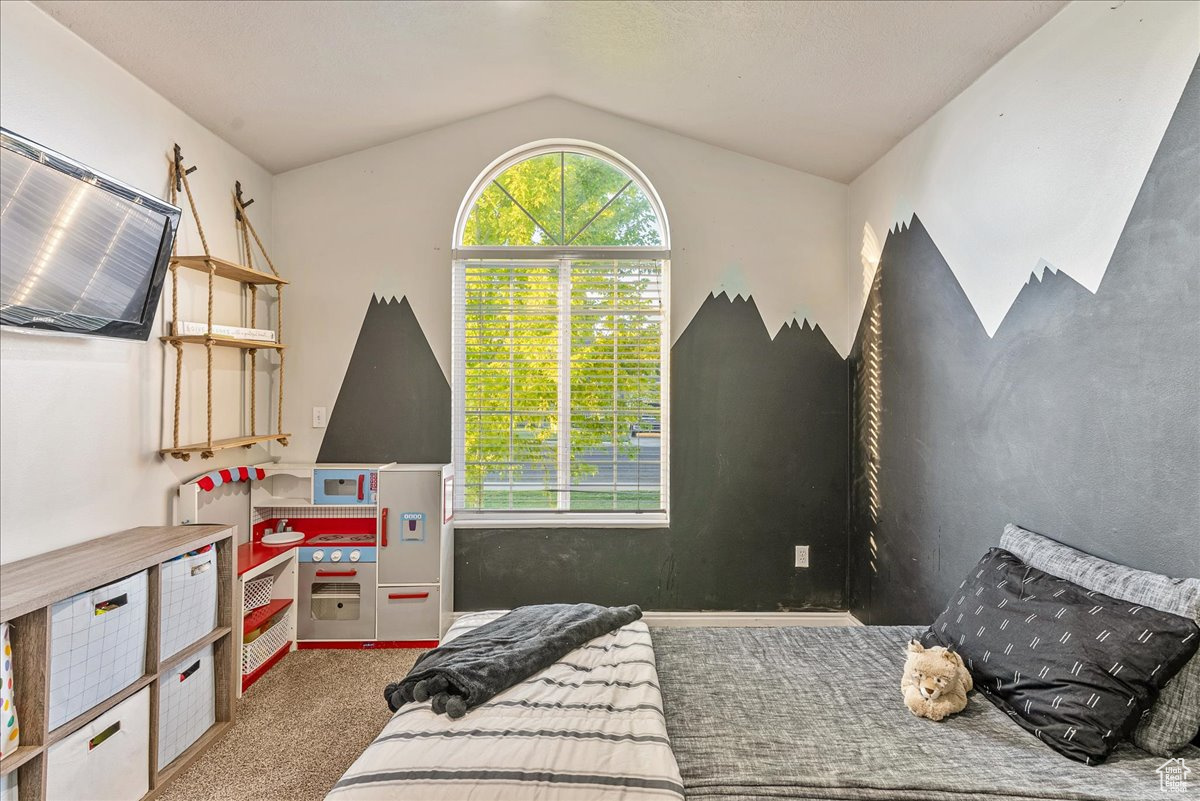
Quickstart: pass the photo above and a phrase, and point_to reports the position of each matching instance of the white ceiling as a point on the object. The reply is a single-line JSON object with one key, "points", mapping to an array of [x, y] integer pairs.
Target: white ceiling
{"points": [[823, 87]]}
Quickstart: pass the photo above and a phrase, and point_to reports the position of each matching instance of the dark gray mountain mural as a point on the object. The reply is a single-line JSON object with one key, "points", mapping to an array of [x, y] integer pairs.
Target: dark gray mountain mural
{"points": [[1080, 419], [394, 403], [758, 465]]}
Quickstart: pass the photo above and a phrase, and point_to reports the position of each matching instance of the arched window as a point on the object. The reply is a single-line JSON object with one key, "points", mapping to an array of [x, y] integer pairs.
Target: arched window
{"points": [[561, 342]]}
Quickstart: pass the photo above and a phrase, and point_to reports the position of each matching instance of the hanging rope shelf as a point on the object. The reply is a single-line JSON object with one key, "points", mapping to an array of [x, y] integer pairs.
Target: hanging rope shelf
{"points": [[249, 277]]}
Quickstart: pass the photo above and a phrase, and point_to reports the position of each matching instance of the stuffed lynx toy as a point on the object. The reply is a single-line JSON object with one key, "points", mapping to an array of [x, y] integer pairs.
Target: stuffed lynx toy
{"points": [[935, 683]]}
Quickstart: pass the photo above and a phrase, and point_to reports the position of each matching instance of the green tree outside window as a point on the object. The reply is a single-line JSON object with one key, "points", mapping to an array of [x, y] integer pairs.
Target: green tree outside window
{"points": [[513, 342]]}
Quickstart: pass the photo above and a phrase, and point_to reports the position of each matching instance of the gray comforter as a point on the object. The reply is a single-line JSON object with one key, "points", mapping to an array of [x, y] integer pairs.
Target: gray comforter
{"points": [[474, 667], [812, 713]]}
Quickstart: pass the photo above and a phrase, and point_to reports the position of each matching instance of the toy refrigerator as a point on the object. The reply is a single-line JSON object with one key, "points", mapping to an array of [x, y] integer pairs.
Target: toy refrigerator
{"points": [[416, 552]]}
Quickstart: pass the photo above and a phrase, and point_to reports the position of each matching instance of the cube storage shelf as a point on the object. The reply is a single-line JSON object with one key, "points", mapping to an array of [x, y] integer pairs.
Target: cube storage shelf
{"points": [[173, 616]]}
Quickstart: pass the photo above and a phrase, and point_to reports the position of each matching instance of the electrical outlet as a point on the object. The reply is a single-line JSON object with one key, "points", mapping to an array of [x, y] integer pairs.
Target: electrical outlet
{"points": [[319, 417], [801, 556]]}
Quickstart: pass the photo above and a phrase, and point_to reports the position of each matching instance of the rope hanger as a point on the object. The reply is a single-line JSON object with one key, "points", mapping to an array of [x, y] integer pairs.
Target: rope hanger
{"points": [[178, 181]]}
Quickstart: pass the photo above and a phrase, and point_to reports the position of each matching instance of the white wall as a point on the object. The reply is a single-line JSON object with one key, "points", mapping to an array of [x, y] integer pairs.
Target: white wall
{"points": [[1036, 165], [81, 418], [380, 221]]}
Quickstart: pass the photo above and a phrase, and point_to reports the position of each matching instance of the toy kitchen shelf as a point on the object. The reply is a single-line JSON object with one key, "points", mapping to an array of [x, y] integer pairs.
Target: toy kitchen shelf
{"points": [[307, 486], [266, 592]]}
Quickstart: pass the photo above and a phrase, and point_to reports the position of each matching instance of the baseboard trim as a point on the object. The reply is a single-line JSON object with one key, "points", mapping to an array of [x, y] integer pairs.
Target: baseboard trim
{"points": [[694, 620]]}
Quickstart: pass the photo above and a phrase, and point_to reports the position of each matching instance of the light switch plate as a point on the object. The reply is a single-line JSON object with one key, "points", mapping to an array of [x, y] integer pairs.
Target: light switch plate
{"points": [[319, 417], [801, 556]]}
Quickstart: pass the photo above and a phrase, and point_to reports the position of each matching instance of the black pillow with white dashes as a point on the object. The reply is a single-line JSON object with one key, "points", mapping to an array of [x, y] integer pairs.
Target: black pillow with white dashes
{"points": [[1074, 667]]}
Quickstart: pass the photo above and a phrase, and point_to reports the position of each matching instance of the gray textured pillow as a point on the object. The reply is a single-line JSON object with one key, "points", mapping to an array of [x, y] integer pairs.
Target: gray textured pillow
{"points": [[1174, 719]]}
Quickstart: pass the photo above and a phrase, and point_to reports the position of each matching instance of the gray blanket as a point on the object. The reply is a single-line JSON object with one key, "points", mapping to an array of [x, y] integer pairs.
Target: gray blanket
{"points": [[474, 667], [817, 714]]}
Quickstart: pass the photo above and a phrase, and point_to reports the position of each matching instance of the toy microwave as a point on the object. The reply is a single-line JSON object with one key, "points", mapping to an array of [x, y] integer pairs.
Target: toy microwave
{"points": [[340, 485]]}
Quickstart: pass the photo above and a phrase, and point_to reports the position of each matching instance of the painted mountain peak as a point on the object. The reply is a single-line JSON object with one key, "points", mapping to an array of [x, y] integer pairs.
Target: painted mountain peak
{"points": [[758, 453], [758, 439], [747, 309], [392, 376], [1042, 305], [1077, 420]]}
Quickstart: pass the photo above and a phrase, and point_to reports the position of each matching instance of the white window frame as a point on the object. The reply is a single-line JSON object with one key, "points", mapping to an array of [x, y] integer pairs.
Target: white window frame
{"points": [[562, 517]]}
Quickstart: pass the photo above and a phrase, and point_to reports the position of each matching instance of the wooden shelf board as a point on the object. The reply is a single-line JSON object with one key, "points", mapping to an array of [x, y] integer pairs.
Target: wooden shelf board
{"points": [[39, 581], [227, 269], [222, 444], [225, 342], [181, 762], [198, 645], [99, 709], [256, 617], [18, 758]]}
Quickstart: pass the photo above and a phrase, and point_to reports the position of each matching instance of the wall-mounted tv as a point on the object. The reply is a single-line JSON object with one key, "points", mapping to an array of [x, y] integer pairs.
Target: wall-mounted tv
{"points": [[79, 252]]}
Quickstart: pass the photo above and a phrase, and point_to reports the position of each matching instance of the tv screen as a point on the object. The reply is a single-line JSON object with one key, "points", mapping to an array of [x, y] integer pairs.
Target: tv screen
{"points": [[79, 252]]}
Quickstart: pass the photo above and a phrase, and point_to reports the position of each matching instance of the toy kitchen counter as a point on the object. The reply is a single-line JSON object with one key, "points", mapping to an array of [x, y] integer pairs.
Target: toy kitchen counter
{"points": [[319, 533]]}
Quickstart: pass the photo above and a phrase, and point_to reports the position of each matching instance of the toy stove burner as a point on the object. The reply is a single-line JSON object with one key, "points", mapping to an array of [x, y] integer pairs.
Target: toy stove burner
{"points": [[339, 538]]}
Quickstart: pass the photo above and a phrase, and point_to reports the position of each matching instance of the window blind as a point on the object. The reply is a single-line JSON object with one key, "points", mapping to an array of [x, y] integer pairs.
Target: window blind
{"points": [[558, 386]]}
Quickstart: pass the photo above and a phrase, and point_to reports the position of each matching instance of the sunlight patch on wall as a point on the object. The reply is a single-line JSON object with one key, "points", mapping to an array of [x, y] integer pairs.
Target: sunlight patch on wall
{"points": [[869, 390]]}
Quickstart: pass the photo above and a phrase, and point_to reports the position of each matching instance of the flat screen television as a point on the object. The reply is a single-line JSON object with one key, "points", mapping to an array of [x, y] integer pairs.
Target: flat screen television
{"points": [[80, 252]]}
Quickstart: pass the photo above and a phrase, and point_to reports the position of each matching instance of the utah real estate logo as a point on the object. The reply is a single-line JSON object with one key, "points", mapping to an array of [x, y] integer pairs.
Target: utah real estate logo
{"points": [[1172, 775]]}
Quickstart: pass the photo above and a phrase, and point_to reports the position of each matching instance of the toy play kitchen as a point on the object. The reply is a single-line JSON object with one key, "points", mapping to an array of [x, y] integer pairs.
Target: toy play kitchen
{"points": [[334, 555]]}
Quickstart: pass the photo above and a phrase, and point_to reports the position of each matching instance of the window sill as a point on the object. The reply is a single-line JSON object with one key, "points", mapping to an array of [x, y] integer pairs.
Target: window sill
{"points": [[647, 520]]}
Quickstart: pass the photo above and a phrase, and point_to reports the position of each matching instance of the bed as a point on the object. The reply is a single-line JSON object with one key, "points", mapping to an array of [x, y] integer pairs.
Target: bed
{"points": [[744, 714], [591, 726], [816, 713]]}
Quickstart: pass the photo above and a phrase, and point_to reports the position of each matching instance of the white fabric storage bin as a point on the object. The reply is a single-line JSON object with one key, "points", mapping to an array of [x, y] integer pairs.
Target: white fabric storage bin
{"points": [[10, 728], [189, 601], [186, 705], [106, 760], [8, 787], [97, 646]]}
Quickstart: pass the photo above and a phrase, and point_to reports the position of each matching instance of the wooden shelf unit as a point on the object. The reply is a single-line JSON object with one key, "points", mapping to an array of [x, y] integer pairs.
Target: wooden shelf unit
{"points": [[249, 278], [32, 586]]}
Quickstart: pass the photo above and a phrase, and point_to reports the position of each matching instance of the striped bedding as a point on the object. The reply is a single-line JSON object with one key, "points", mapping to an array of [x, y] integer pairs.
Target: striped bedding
{"points": [[590, 726]]}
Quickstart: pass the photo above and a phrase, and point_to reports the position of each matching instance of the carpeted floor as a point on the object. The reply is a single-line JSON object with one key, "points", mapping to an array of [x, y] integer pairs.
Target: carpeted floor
{"points": [[297, 729]]}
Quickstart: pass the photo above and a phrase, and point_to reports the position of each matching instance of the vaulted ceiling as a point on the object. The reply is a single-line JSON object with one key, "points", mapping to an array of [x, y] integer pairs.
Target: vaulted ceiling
{"points": [[823, 87]]}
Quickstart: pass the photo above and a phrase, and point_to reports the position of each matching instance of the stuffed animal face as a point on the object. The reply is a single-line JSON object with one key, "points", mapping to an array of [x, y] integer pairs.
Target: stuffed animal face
{"points": [[932, 672]]}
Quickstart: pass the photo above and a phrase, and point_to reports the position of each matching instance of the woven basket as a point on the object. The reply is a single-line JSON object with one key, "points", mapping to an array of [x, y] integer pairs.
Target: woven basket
{"points": [[258, 592], [267, 644]]}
